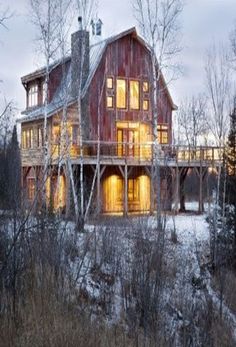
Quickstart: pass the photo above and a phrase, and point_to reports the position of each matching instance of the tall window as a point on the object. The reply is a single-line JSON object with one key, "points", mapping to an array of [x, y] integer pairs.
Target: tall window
{"points": [[75, 132], [56, 134], [133, 190], [27, 138], [134, 95], [162, 134], [120, 93], [110, 92], [33, 95], [145, 96], [39, 136], [31, 188]]}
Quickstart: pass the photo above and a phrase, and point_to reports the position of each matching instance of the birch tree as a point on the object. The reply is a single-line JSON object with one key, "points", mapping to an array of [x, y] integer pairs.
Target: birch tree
{"points": [[85, 9], [158, 22], [46, 17]]}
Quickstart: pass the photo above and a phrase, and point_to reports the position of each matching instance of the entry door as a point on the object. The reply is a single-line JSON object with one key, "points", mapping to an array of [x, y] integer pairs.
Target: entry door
{"points": [[126, 139]]}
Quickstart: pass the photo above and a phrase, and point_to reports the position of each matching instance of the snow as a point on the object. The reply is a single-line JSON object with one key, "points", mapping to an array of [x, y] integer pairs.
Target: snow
{"points": [[186, 285]]}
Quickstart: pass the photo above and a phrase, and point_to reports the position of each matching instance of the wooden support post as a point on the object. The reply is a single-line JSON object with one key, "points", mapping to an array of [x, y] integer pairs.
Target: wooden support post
{"points": [[176, 195], [68, 192], [149, 172], [183, 174], [98, 188], [200, 205], [126, 192]]}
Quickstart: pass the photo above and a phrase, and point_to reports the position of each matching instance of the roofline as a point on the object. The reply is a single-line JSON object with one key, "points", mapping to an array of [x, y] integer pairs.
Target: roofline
{"points": [[173, 105], [28, 118], [42, 71]]}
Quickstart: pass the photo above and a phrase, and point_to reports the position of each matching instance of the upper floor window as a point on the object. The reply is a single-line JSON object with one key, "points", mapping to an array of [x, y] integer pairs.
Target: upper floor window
{"points": [[145, 87], [145, 104], [120, 93], [109, 82], [134, 95], [33, 95]]}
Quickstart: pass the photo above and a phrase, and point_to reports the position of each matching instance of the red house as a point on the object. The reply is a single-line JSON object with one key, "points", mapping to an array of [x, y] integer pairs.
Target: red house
{"points": [[116, 125]]}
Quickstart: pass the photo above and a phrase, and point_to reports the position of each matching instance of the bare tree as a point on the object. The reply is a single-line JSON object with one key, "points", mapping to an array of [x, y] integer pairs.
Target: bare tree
{"points": [[5, 15], [85, 9], [219, 92], [192, 121], [46, 17], [158, 22]]}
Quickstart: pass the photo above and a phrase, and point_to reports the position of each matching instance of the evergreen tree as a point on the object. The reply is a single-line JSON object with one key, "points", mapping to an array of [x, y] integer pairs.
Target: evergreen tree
{"points": [[14, 171], [231, 183]]}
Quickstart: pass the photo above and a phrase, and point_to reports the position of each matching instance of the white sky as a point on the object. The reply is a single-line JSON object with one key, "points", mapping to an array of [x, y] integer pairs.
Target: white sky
{"points": [[202, 22]]}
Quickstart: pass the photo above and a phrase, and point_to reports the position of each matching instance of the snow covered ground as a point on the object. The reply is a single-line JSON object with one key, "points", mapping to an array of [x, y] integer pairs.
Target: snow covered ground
{"points": [[187, 287]]}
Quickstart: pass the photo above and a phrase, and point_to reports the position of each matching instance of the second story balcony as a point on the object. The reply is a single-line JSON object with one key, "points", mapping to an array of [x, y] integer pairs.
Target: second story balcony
{"points": [[119, 153]]}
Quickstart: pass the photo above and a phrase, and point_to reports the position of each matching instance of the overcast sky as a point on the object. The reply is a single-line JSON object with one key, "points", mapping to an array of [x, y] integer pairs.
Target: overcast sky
{"points": [[202, 22]]}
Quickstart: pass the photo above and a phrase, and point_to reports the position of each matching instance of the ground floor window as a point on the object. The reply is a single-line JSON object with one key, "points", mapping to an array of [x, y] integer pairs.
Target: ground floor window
{"points": [[31, 188], [162, 134]]}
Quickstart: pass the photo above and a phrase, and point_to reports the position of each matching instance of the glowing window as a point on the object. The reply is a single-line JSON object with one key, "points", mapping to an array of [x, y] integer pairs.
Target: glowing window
{"points": [[120, 93], [109, 101], [40, 136], [133, 190], [56, 134], [27, 138], [134, 95], [162, 134], [145, 105], [75, 132], [109, 82], [33, 95], [31, 188], [23, 139], [145, 87]]}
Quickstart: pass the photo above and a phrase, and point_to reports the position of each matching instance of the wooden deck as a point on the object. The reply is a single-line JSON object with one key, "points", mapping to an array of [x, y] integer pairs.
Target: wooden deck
{"points": [[135, 154]]}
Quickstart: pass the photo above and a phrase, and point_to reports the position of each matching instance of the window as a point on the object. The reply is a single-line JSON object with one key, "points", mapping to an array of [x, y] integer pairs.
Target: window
{"points": [[145, 87], [145, 105], [162, 134], [109, 101], [33, 95], [121, 93], [31, 188], [27, 138], [134, 95], [39, 136], [75, 134], [109, 82], [23, 139], [56, 134], [133, 190]]}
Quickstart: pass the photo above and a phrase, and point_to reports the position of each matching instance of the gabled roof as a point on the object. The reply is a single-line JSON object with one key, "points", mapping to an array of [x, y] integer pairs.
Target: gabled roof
{"points": [[96, 53]]}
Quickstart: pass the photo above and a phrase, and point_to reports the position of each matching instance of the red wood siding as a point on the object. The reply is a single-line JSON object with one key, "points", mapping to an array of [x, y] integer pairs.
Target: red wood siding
{"points": [[125, 58]]}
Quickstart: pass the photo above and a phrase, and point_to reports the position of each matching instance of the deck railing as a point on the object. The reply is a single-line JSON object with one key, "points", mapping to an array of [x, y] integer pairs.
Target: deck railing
{"points": [[131, 151], [144, 151]]}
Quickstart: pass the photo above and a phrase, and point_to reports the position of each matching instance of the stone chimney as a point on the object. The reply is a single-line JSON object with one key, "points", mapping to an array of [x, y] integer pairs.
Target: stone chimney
{"points": [[79, 56]]}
